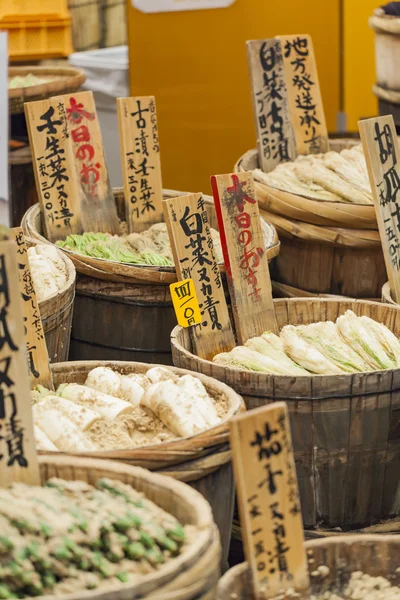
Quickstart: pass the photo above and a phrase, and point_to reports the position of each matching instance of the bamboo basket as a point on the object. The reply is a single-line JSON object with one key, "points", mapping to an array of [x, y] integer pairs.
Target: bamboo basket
{"points": [[203, 461], [98, 23], [191, 576], [328, 260], [387, 49], [281, 290], [62, 80], [124, 312], [372, 554], [300, 208], [345, 428]]}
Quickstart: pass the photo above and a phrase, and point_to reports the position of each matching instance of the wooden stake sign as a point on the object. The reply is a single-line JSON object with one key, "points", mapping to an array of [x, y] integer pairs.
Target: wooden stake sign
{"points": [[140, 159], [53, 165], [244, 255], [275, 135], [269, 503], [192, 247], [381, 150], [18, 458], [98, 208], [38, 357], [304, 95]]}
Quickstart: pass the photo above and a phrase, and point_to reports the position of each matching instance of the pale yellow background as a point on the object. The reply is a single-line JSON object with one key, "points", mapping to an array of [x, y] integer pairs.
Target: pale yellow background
{"points": [[195, 64]]}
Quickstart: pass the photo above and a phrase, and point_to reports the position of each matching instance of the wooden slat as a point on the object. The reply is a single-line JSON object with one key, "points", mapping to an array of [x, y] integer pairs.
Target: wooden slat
{"points": [[194, 257], [38, 357], [275, 135], [98, 208], [18, 458], [381, 150], [53, 164], [140, 159], [304, 94], [269, 502], [244, 255]]}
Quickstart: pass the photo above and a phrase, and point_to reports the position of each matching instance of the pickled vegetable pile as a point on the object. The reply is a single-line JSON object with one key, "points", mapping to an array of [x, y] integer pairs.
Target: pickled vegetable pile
{"points": [[70, 536]]}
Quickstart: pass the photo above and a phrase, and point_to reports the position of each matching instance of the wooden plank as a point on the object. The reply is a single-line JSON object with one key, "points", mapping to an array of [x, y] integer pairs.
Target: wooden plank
{"points": [[192, 247], [275, 135], [269, 502], [381, 150], [38, 357], [98, 208], [18, 458], [305, 102], [244, 255], [140, 159], [53, 165]]}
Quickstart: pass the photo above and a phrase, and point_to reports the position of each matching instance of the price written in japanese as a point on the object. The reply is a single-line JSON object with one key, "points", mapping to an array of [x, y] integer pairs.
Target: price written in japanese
{"points": [[185, 303], [269, 503]]}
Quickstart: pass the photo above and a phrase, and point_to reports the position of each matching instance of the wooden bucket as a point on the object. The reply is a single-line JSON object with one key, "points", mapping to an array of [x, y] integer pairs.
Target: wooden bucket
{"points": [[345, 428], [23, 193], [194, 574], [124, 312], [328, 260], [203, 461], [300, 208], [387, 49], [372, 554]]}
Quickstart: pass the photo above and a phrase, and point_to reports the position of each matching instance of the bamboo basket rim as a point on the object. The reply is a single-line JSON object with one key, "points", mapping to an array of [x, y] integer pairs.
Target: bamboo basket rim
{"points": [[177, 489], [222, 372], [309, 210], [122, 272], [64, 78], [289, 291], [239, 570], [188, 447]]}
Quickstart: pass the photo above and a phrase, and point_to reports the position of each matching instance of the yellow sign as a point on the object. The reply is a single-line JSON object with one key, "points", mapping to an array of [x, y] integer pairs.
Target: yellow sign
{"points": [[186, 304]]}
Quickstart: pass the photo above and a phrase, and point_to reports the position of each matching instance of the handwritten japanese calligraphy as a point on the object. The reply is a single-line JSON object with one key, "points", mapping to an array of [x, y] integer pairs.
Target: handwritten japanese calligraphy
{"points": [[194, 257], [305, 102], [140, 156], [382, 154], [269, 501], [186, 305], [275, 135], [244, 254], [18, 460]]}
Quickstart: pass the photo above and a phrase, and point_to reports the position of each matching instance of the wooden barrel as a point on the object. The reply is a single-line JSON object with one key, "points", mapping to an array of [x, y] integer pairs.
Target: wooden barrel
{"points": [[203, 461], [372, 554], [191, 576], [124, 312], [345, 428], [23, 193]]}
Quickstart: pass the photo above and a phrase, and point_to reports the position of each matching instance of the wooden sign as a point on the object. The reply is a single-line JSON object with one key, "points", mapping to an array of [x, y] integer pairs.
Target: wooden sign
{"points": [[245, 257], [140, 159], [38, 357], [185, 302], [4, 122], [275, 135], [269, 503], [381, 150], [53, 165], [98, 208], [18, 458], [192, 247], [304, 95]]}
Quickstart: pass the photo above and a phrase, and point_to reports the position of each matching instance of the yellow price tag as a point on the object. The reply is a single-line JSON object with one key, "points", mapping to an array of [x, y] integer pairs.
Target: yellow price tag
{"points": [[186, 304]]}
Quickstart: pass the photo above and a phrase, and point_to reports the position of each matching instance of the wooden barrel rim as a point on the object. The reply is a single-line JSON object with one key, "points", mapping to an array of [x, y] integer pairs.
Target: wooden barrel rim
{"points": [[158, 488], [195, 448], [323, 387]]}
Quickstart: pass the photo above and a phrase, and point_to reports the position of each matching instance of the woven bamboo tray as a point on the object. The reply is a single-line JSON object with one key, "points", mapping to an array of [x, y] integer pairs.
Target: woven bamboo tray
{"points": [[190, 576], [345, 428], [62, 80], [300, 208], [372, 554], [121, 273]]}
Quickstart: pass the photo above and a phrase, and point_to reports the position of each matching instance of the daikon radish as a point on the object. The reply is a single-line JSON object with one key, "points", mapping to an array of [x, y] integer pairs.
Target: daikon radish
{"points": [[131, 390], [104, 380], [194, 387], [43, 279], [82, 416], [108, 406], [156, 374], [64, 434], [55, 261], [43, 443]]}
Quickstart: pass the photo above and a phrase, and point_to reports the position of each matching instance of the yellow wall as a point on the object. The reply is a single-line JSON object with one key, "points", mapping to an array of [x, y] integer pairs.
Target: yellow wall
{"points": [[359, 60], [195, 65]]}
